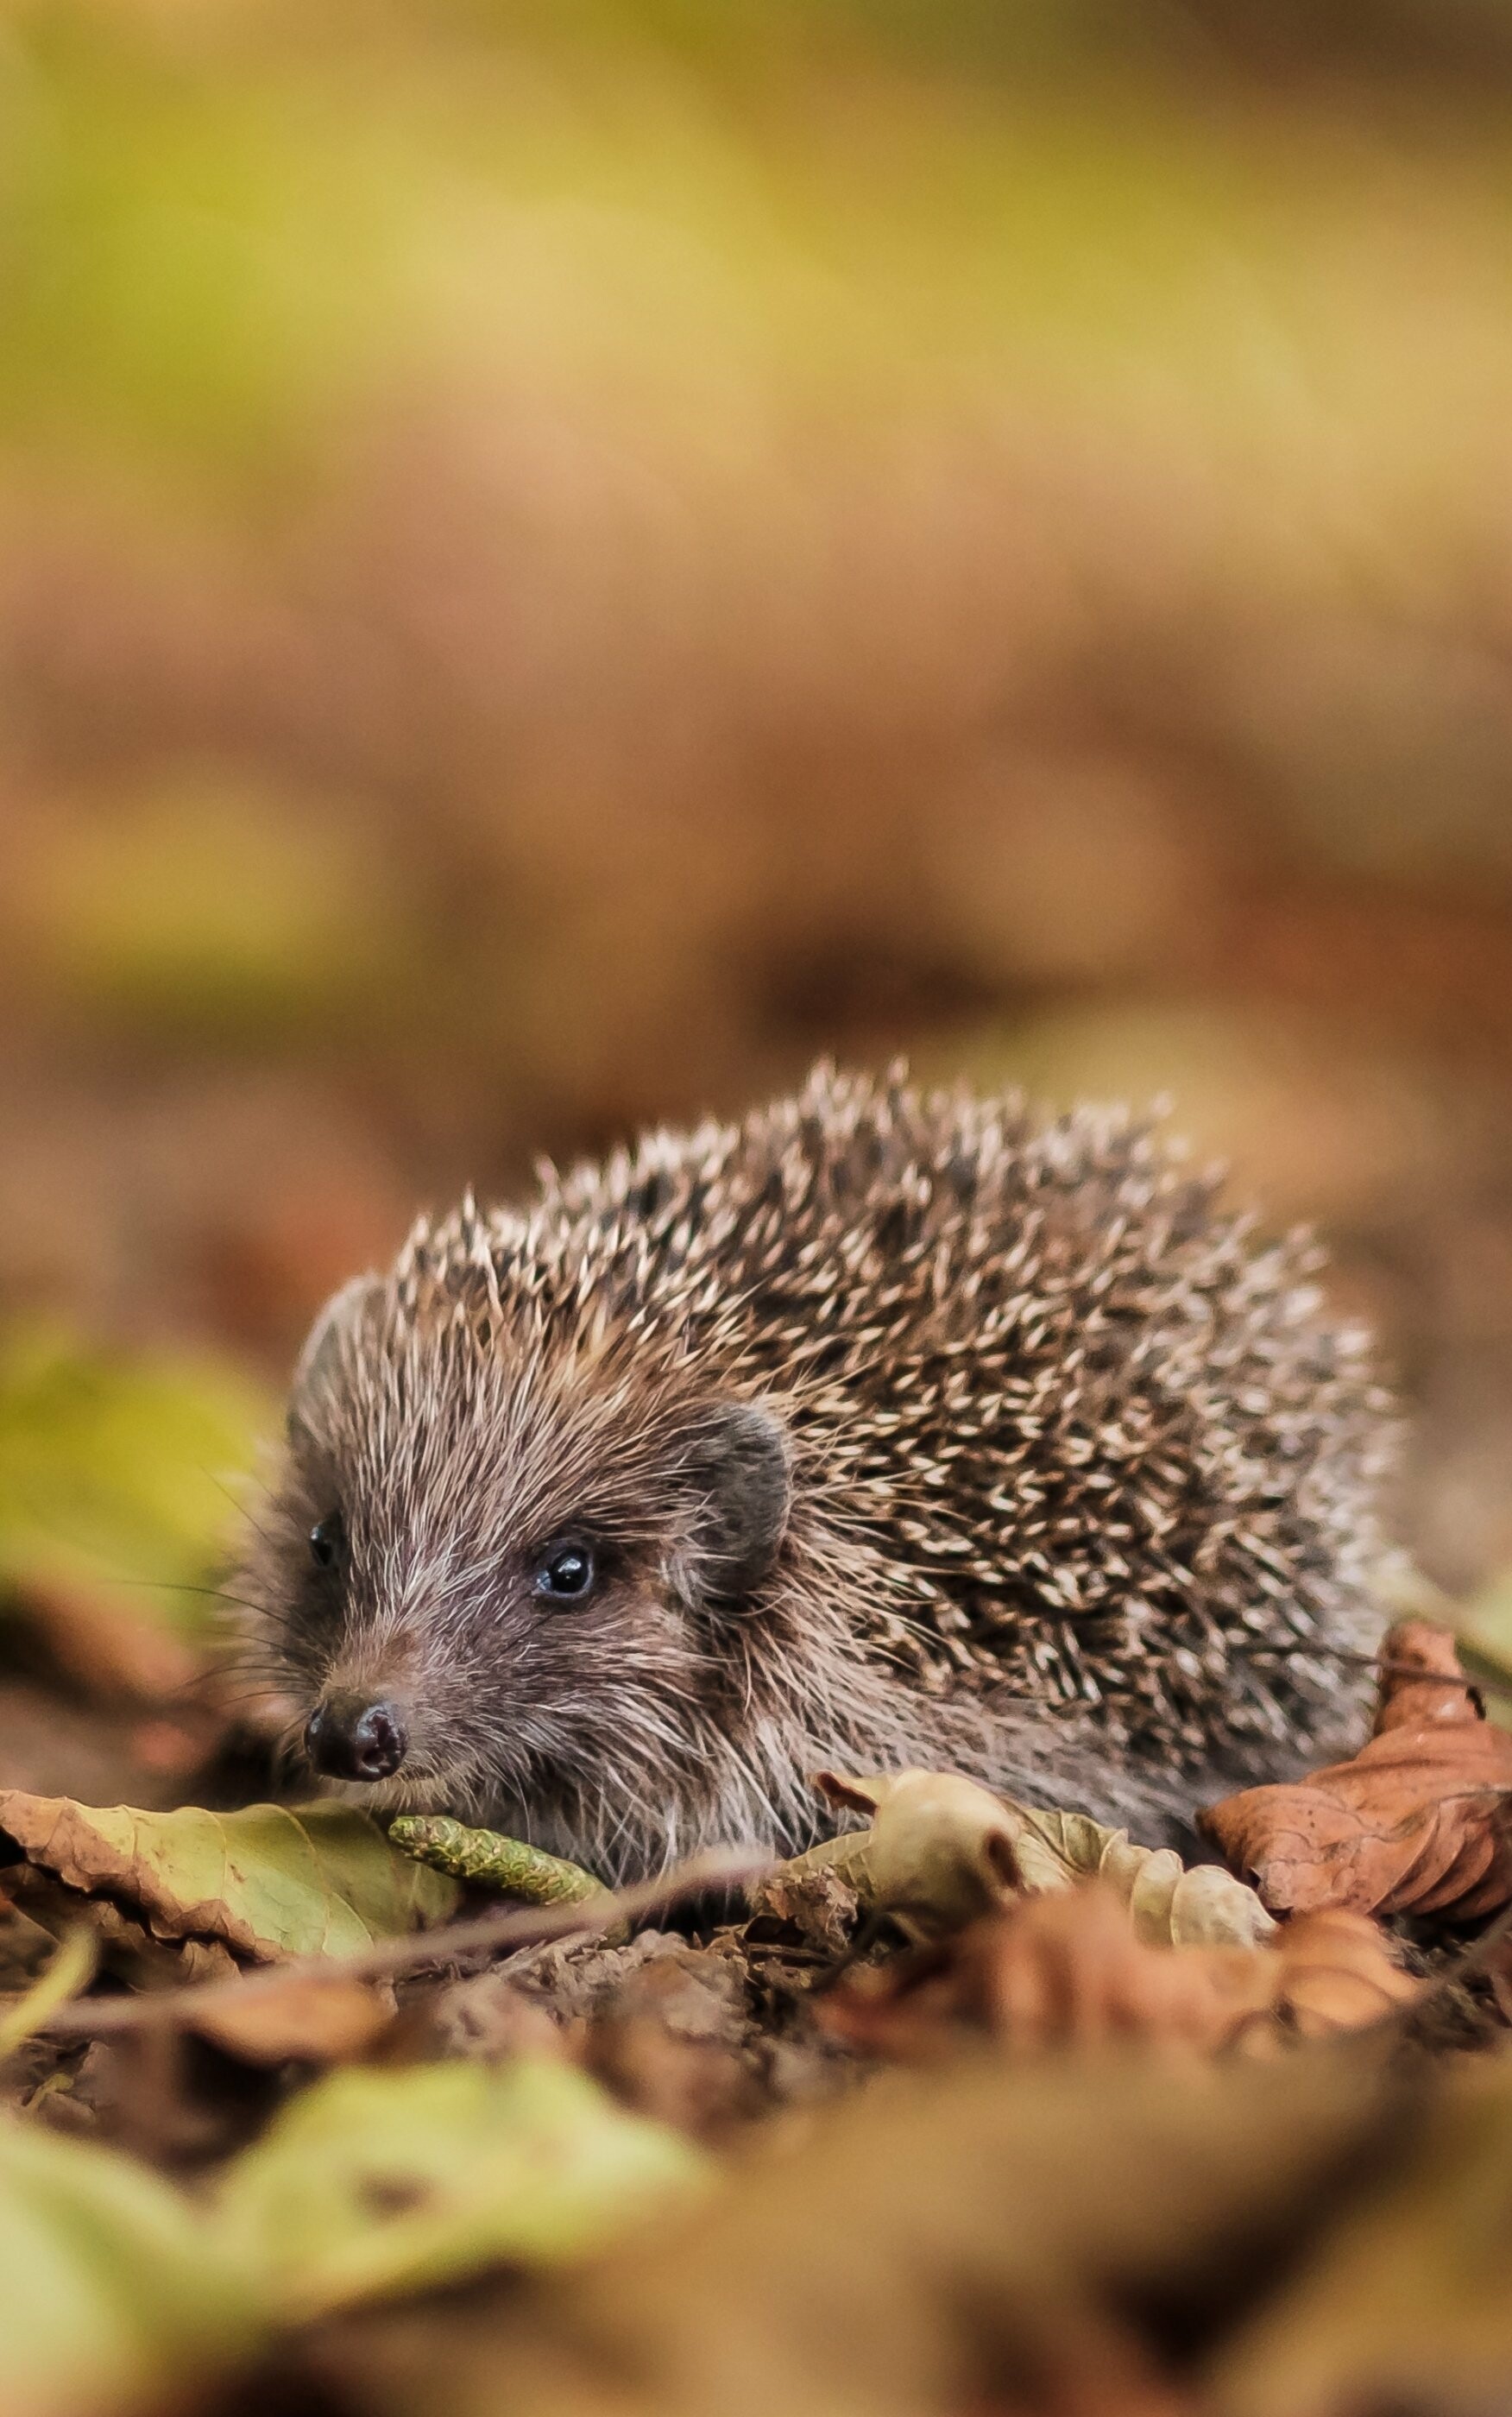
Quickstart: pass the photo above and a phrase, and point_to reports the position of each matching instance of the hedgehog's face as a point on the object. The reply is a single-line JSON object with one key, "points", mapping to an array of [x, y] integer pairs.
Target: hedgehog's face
{"points": [[500, 1581]]}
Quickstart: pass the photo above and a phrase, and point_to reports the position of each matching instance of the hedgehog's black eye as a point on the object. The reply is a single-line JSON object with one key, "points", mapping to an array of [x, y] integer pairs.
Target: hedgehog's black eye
{"points": [[566, 1573], [327, 1539]]}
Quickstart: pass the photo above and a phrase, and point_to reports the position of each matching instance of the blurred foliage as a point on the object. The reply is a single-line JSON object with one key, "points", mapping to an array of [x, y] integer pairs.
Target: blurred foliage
{"points": [[374, 2182], [559, 561], [114, 1472], [204, 903], [220, 237], [109, 2285], [381, 2180]]}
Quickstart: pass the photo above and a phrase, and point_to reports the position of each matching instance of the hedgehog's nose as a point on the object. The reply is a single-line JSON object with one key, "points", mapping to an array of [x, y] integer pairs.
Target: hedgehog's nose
{"points": [[348, 1737]]}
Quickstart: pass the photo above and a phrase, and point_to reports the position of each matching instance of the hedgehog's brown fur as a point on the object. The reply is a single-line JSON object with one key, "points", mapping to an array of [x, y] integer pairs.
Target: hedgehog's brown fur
{"points": [[1079, 1484]]}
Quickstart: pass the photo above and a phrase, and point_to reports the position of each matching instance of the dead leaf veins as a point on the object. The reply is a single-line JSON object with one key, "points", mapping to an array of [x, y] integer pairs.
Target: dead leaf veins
{"points": [[1419, 1822]]}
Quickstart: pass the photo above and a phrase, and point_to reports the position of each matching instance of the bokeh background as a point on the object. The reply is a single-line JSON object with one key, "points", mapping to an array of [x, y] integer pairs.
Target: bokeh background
{"points": [[557, 561]]}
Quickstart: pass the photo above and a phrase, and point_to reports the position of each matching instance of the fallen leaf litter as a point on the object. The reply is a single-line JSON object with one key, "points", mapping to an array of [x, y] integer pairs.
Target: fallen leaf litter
{"points": [[514, 2089]]}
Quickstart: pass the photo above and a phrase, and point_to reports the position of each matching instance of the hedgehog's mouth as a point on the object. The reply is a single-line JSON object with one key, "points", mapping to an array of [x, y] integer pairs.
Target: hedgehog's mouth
{"points": [[408, 1791], [443, 1768], [426, 1784]]}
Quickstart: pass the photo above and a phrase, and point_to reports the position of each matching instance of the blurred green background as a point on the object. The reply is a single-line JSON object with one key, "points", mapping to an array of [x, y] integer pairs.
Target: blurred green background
{"points": [[556, 561]]}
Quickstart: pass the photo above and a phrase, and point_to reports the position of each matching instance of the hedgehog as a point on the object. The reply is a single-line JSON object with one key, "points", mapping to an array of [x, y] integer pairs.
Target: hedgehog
{"points": [[885, 1428]]}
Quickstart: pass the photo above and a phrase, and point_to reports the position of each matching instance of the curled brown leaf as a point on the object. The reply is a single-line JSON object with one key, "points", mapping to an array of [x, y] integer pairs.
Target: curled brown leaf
{"points": [[1420, 1821], [938, 1852], [941, 1850]]}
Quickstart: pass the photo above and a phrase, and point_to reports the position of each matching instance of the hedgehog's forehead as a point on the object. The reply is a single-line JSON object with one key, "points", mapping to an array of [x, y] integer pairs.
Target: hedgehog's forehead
{"points": [[527, 1404], [537, 1339], [454, 1449]]}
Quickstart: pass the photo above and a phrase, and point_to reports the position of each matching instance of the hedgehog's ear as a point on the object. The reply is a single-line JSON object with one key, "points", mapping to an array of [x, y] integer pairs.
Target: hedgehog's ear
{"points": [[740, 1460], [315, 1371]]}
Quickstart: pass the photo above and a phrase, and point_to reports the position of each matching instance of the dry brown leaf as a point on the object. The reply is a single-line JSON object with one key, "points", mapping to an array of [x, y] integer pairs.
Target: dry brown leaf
{"points": [[817, 1902], [1423, 1682], [1051, 1971], [1338, 1971], [1420, 1821], [941, 1850], [129, 1951], [308, 2016], [1171, 1904], [1069, 1969]]}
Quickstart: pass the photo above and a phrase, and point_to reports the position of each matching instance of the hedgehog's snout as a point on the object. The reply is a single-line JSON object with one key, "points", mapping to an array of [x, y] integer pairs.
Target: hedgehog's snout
{"points": [[352, 1737]]}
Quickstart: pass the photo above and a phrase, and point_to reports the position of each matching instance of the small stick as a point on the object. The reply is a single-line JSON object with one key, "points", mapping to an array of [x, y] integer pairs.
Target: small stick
{"points": [[534, 1926]]}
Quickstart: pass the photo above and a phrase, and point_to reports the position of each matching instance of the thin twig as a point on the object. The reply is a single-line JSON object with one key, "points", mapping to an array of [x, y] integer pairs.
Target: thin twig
{"points": [[1489, 1679], [724, 1867]]}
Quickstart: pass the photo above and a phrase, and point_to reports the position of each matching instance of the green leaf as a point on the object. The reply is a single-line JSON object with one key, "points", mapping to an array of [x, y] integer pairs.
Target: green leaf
{"points": [[110, 2289], [269, 1881], [377, 2179]]}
